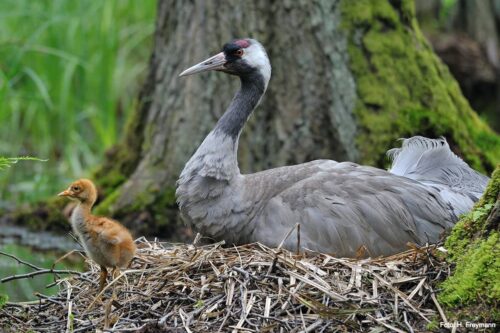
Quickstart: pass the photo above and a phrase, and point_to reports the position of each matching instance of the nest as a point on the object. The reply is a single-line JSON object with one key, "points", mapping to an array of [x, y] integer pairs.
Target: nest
{"points": [[250, 288]]}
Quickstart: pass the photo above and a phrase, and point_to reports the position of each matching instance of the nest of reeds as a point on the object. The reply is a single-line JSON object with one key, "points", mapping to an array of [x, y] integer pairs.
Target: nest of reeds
{"points": [[250, 288]]}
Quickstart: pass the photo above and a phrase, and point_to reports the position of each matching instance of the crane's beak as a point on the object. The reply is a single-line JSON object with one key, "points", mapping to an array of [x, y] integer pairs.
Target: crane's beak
{"points": [[213, 63]]}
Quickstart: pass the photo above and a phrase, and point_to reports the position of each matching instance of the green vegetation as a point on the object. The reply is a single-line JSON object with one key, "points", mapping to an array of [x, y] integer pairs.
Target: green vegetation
{"points": [[3, 300], [474, 246], [409, 85], [69, 75], [7, 162]]}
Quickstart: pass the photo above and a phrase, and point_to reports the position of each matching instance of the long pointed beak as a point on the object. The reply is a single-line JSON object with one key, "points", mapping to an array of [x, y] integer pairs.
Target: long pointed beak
{"points": [[64, 194], [213, 63]]}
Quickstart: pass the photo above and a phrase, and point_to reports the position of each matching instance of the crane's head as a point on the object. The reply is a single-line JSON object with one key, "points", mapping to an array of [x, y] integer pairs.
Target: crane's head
{"points": [[240, 57], [82, 190]]}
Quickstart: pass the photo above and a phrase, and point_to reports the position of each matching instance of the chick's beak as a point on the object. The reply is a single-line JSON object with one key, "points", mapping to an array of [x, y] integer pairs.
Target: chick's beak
{"points": [[65, 193], [216, 62]]}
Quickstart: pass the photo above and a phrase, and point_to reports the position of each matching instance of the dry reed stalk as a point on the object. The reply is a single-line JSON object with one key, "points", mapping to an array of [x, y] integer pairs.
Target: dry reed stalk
{"points": [[249, 288]]}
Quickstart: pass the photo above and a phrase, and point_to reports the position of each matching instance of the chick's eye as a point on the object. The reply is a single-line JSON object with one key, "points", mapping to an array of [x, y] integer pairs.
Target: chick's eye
{"points": [[239, 52], [76, 188]]}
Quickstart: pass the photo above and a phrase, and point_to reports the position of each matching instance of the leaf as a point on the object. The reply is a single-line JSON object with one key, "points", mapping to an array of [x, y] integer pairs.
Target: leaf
{"points": [[7, 162]]}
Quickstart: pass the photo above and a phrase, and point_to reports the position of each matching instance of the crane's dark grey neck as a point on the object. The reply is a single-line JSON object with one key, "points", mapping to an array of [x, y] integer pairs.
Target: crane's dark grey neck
{"points": [[217, 156], [242, 105]]}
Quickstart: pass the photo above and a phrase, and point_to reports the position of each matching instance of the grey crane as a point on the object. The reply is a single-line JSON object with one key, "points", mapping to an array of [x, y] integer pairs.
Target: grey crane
{"points": [[341, 207]]}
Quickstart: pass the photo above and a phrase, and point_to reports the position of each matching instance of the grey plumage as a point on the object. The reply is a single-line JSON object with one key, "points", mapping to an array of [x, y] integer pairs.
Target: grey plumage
{"points": [[340, 206], [431, 162]]}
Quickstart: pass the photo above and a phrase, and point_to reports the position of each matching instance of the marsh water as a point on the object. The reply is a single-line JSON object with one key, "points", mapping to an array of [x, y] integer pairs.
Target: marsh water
{"points": [[38, 248]]}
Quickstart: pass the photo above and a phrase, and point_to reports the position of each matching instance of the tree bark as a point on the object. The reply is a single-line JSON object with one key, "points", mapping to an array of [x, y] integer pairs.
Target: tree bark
{"points": [[465, 35], [349, 79]]}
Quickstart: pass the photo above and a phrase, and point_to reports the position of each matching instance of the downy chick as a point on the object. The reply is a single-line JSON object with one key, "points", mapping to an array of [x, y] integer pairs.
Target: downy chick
{"points": [[106, 241]]}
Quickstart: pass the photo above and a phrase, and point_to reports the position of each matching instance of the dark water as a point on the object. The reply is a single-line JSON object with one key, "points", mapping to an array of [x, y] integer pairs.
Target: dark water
{"points": [[40, 249]]}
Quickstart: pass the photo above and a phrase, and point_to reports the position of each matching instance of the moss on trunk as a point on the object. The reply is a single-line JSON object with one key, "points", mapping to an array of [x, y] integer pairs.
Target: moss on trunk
{"points": [[404, 89], [474, 288]]}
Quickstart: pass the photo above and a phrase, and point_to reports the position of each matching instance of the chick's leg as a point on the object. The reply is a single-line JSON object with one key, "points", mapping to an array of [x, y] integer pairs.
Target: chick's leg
{"points": [[102, 278]]}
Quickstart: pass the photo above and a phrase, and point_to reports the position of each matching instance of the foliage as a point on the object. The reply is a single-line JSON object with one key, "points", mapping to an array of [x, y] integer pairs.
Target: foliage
{"points": [[474, 246], [7, 162], [400, 78], [3, 300], [445, 10], [69, 74]]}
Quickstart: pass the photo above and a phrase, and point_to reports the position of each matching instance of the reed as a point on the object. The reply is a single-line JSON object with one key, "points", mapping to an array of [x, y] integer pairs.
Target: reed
{"points": [[249, 288], [69, 75]]}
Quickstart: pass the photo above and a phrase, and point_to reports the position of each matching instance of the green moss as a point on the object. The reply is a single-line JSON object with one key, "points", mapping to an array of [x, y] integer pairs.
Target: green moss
{"points": [[122, 159], [404, 89], [110, 181], [433, 325], [166, 203], [473, 245], [105, 206], [3, 300], [473, 225], [153, 211], [477, 275]]}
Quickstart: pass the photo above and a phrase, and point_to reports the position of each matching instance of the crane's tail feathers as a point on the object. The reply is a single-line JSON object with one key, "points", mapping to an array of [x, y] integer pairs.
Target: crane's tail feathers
{"points": [[432, 162]]}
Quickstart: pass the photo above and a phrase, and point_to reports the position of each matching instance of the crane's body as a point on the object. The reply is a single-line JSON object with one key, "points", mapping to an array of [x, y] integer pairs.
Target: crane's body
{"points": [[340, 207]]}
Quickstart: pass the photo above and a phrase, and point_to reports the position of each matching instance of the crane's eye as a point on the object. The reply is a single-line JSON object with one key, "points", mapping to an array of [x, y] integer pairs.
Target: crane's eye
{"points": [[75, 188], [238, 52]]}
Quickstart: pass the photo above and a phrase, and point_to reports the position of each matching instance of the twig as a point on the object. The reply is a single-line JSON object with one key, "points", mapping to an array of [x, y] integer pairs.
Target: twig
{"points": [[440, 310], [395, 329], [287, 235], [407, 323], [69, 323], [63, 257], [39, 272], [20, 260], [312, 327], [298, 238]]}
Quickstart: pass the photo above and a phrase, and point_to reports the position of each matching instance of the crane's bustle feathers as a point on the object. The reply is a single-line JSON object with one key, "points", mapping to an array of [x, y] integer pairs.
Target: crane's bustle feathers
{"points": [[431, 162]]}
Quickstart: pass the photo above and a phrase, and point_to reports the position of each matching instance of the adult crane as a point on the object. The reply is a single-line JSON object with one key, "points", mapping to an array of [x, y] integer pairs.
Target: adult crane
{"points": [[340, 207]]}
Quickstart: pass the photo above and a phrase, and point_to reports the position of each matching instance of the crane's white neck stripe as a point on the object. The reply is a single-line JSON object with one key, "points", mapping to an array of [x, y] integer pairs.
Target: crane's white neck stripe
{"points": [[255, 55]]}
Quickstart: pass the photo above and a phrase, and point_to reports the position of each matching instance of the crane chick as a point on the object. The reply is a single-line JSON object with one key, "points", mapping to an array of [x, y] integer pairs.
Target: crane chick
{"points": [[106, 241]]}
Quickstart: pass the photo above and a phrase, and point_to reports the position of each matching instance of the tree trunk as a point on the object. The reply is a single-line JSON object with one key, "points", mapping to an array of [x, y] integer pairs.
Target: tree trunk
{"points": [[465, 34], [349, 79]]}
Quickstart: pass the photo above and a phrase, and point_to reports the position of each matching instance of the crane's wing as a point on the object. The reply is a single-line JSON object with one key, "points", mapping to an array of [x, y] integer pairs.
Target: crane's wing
{"points": [[109, 232], [343, 206]]}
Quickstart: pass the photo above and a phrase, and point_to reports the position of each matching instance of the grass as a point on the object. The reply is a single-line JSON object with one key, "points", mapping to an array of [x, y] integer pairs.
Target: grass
{"points": [[69, 76]]}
